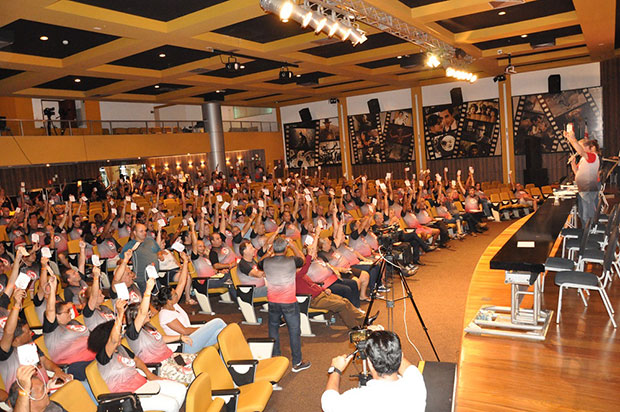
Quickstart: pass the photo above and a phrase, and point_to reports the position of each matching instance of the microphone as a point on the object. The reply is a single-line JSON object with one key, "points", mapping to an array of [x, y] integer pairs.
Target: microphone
{"points": [[571, 158]]}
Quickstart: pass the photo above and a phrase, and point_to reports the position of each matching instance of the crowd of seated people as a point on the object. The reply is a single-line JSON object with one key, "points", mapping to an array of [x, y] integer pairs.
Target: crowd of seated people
{"points": [[80, 266]]}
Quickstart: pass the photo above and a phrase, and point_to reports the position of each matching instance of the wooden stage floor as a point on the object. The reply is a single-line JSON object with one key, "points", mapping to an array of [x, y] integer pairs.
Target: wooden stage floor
{"points": [[577, 368]]}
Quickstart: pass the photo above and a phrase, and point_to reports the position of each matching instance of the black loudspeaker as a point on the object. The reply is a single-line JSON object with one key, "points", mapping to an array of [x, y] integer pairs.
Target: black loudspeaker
{"points": [[555, 83], [456, 95], [373, 106], [533, 153], [2, 123], [305, 115], [540, 177]]}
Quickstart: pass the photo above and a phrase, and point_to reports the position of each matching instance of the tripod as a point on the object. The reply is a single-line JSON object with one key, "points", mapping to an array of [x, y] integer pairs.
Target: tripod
{"points": [[387, 268]]}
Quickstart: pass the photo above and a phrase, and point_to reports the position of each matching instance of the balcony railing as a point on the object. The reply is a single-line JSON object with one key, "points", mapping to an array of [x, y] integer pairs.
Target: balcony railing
{"points": [[28, 127]]}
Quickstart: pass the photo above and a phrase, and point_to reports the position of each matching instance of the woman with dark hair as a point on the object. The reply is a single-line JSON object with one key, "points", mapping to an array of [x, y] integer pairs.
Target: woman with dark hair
{"points": [[150, 346], [175, 321], [118, 367]]}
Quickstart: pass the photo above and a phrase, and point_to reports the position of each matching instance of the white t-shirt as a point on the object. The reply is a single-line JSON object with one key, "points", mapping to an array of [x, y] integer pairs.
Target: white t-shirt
{"points": [[166, 316], [405, 394]]}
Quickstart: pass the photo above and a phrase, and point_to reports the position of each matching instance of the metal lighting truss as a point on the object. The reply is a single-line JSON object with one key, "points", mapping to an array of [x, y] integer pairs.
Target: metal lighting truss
{"points": [[362, 11]]}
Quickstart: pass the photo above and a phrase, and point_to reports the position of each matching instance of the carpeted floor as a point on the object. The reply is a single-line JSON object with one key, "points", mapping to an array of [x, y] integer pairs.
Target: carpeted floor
{"points": [[439, 290]]}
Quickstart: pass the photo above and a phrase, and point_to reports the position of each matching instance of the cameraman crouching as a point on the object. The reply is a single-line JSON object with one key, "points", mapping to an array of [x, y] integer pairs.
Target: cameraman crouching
{"points": [[396, 384]]}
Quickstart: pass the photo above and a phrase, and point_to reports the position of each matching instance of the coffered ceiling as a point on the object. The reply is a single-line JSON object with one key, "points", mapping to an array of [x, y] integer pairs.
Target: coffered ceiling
{"points": [[174, 51]]}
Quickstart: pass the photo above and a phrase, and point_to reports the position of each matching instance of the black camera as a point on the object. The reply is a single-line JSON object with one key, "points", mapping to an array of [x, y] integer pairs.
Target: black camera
{"points": [[387, 236], [49, 111]]}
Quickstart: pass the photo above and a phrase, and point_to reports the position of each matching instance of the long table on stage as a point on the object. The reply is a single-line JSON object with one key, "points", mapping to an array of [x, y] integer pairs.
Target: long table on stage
{"points": [[522, 258]]}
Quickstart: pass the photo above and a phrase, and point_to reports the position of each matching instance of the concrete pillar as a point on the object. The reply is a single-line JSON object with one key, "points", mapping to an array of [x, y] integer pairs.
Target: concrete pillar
{"points": [[212, 117]]}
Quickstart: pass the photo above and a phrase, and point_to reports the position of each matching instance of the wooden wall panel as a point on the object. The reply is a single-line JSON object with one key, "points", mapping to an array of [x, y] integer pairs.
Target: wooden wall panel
{"points": [[486, 169], [555, 163], [610, 82]]}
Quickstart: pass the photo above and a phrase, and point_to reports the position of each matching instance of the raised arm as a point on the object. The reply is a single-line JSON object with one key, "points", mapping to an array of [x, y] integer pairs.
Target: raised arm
{"points": [[11, 322], [116, 335], [50, 307], [143, 310], [95, 288]]}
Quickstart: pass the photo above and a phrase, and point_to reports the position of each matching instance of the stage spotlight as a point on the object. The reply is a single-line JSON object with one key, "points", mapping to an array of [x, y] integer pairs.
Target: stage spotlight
{"points": [[285, 11], [232, 65], [285, 73], [320, 24], [432, 61], [307, 19], [334, 28]]}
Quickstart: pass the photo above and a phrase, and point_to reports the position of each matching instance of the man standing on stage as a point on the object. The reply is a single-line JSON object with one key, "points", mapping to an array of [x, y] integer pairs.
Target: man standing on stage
{"points": [[586, 175], [280, 272]]}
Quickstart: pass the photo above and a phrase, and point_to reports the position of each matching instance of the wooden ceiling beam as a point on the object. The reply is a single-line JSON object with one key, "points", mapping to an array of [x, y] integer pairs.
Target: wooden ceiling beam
{"points": [[598, 23]]}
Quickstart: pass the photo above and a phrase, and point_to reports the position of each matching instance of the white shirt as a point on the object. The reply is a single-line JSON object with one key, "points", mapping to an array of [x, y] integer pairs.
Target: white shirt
{"points": [[166, 316], [408, 393]]}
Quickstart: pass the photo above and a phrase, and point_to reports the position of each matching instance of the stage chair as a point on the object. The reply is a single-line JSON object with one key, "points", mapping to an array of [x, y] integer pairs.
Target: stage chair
{"points": [[308, 314], [73, 397], [246, 299], [584, 280], [199, 396], [252, 396], [234, 347]]}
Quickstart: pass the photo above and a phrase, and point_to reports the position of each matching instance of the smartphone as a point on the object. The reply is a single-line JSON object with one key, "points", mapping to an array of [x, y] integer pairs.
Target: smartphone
{"points": [[179, 360]]}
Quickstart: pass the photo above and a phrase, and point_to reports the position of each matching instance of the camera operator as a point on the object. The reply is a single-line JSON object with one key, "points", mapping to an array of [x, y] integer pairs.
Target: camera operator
{"points": [[396, 384]]}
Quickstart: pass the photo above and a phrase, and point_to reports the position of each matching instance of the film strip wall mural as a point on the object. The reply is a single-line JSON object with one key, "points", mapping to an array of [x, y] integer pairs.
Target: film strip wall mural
{"points": [[312, 144], [470, 129], [544, 117], [383, 137]]}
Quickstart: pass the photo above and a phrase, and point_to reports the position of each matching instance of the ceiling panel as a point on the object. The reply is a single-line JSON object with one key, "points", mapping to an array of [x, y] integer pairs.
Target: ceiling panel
{"points": [[375, 64], [525, 11], [531, 38], [336, 84], [338, 49], [261, 97], [218, 96], [27, 39], [162, 10], [294, 78], [252, 67], [418, 3], [160, 88], [69, 83], [4, 73], [263, 29], [174, 56]]}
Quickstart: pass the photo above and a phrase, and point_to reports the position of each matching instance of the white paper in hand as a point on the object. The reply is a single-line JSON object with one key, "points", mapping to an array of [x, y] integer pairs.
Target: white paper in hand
{"points": [[128, 198], [22, 281], [309, 240], [71, 198], [204, 210], [219, 198], [344, 191], [121, 291], [46, 252], [95, 260], [28, 354], [261, 203], [161, 223], [151, 272], [388, 175], [134, 206], [114, 211], [407, 183], [195, 192], [382, 186], [154, 210], [84, 199], [178, 246], [235, 203], [225, 205], [308, 198], [35, 238]]}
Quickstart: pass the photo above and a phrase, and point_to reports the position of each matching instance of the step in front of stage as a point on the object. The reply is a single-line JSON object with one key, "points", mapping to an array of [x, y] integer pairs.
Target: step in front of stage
{"points": [[440, 379]]}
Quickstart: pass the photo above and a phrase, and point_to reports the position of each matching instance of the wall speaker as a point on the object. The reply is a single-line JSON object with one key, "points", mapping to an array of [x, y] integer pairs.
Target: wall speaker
{"points": [[305, 116], [555, 83], [456, 95], [373, 106]]}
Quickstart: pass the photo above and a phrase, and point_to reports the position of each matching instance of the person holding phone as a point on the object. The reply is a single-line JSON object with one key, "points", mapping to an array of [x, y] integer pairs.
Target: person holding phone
{"points": [[175, 321], [149, 345], [29, 392], [119, 367]]}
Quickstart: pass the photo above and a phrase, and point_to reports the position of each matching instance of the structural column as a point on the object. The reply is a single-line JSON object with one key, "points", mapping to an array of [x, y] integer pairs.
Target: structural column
{"points": [[345, 152], [506, 128], [212, 117], [418, 128]]}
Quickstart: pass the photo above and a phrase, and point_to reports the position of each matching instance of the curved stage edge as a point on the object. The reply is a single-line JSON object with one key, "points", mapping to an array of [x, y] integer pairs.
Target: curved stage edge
{"points": [[577, 368]]}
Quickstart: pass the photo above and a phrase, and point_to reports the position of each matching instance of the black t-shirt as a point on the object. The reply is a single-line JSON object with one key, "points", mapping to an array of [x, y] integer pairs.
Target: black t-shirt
{"points": [[48, 326], [5, 300], [245, 267], [103, 358]]}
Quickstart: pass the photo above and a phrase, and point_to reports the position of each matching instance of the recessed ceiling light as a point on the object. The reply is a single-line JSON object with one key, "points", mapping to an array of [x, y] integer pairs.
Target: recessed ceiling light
{"points": [[65, 42], [502, 13], [162, 55], [524, 36], [218, 91], [298, 75], [399, 57], [77, 80], [97, 28], [242, 66], [44, 38], [157, 86]]}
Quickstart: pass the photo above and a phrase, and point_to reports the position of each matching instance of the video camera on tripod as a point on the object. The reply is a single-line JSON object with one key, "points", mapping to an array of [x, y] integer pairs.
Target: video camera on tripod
{"points": [[387, 236]]}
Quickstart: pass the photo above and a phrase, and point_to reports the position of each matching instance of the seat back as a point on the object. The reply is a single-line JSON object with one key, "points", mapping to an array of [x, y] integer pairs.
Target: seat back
{"points": [[31, 316], [198, 397], [584, 237], [209, 361], [234, 276], [73, 397], [96, 382], [610, 250], [233, 344]]}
